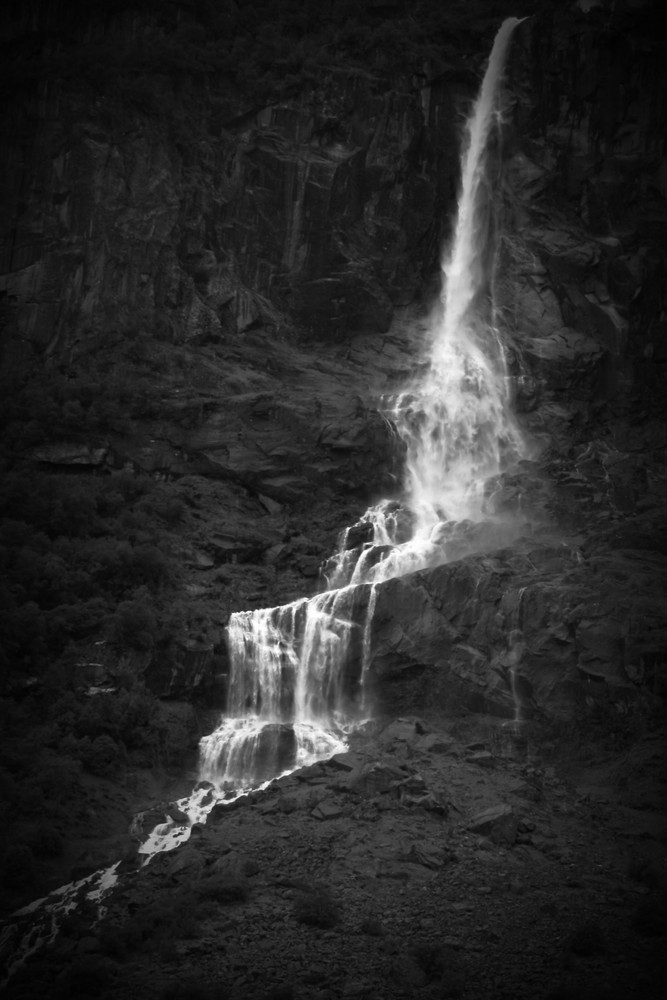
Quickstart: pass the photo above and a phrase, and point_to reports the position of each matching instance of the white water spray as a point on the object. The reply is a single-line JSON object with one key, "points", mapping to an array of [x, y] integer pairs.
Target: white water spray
{"points": [[457, 423], [298, 671]]}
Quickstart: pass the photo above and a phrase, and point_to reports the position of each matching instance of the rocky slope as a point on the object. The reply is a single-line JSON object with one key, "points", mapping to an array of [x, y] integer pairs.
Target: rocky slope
{"points": [[433, 860], [208, 285], [213, 281]]}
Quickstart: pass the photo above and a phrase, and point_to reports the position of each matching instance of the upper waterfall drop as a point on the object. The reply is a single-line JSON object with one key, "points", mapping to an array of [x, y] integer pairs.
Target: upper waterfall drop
{"points": [[456, 422], [298, 672], [464, 267]]}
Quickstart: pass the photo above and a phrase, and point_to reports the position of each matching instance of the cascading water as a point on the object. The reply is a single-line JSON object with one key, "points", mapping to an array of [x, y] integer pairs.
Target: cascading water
{"points": [[298, 671], [286, 679]]}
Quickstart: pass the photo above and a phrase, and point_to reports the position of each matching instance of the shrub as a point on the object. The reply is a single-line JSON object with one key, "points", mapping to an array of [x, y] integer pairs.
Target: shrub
{"points": [[102, 756], [18, 867], [135, 624], [55, 776], [45, 841]]}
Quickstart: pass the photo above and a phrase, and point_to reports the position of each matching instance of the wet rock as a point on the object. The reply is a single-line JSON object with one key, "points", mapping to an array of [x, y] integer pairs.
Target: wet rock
{"points": [[268, 753], [358, 535], [177, 815], [204, 786]]}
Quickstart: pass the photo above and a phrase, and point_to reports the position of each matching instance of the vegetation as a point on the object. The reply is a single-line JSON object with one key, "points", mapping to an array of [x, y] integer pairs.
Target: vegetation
{"points": [[89, 594], [89, 554]]}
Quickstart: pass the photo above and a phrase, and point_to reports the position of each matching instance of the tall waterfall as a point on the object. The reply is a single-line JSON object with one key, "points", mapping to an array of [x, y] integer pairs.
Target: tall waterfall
{"points": [[457, 424], [298, 671]]}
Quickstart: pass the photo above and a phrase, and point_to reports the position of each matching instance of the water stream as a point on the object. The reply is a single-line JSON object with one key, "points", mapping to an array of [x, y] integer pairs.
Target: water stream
{"points": [[299, 671], [294, 690]]}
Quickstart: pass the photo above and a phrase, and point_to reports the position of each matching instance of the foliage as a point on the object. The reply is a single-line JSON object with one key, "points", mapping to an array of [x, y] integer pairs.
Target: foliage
{"points": [[90, 596], [73, 550], [134, 624], [18, 867], [44, 840], [101, 756]]}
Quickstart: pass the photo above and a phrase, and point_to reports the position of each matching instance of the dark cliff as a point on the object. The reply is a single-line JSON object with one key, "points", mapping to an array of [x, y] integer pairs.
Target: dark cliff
{"points": [[170, 165], [211, 213]]}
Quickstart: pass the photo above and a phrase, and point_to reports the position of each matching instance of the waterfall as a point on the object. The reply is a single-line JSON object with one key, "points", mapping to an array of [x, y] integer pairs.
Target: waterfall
{"points": [[298, 672], [457, 424]]}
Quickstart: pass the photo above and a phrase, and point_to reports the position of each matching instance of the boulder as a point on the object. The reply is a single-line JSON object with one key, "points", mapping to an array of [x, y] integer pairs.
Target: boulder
{"points": [[376, 778], [499, 823], [176, 814]]}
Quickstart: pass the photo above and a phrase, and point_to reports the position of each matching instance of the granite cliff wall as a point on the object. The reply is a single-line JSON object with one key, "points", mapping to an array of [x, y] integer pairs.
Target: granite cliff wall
{"points": [[251, 243], [135, 189]]}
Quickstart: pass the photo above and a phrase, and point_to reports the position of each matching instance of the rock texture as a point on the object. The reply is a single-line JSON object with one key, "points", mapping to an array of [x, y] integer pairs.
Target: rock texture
{"points": [[185, 205], [213, 287], [554, 628], [406, 867], [210, 281], [236, 248]]}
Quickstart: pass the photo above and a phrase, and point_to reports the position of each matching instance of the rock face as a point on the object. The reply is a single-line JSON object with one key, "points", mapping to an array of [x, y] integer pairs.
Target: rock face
{"points": [[340, 881], [583, 269], [250, 252], [531, 629], [185, 206]]}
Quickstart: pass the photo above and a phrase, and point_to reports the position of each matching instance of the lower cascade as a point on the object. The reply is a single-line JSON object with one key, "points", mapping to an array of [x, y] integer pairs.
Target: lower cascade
{"points": [[299, 673]]}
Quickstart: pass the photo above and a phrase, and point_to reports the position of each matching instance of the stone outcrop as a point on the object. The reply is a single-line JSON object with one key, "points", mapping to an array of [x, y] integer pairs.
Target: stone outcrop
{"points": [[328, 884], [533, 629], [238, 244], [582, 273], [198, 213]]}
